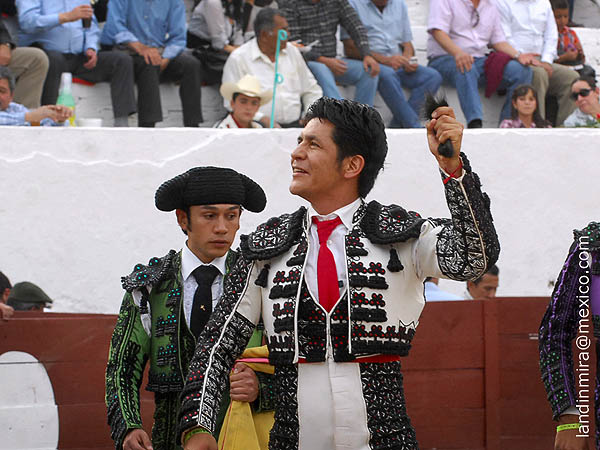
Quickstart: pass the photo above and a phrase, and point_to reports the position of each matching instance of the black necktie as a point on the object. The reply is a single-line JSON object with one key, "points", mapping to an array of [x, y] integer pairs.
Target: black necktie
{"points": [[202, 306]]}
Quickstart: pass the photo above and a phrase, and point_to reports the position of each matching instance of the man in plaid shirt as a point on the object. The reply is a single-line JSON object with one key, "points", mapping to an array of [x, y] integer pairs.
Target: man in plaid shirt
{"points": [[315, 22]]}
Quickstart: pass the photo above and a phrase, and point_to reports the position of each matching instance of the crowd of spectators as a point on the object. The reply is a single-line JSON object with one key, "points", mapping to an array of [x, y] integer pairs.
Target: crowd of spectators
{"points": [[502, 44]]}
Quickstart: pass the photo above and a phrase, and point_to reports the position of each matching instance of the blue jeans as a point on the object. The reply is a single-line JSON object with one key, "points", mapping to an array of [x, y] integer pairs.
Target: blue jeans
{"points": [[355, 75], [406, 114], [467, 83]]}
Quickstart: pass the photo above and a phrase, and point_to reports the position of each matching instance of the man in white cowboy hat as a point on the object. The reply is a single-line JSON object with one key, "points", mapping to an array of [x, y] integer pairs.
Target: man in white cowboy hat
{"points": [[245, 97], [299, 88]]}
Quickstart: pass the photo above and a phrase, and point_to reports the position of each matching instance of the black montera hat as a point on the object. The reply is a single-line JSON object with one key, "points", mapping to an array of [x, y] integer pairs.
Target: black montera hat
{"points": [[210, 186]]}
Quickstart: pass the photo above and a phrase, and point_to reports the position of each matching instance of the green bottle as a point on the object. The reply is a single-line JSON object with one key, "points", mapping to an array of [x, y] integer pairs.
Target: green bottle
{"points": [[65, 96]]}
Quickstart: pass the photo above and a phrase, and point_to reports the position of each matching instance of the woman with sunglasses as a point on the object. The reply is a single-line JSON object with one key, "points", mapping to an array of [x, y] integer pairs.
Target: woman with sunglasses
{"points": [[585, 95]]}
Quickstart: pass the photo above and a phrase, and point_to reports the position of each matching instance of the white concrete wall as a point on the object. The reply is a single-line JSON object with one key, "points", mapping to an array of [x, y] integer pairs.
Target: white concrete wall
{"points": [[77, 205]]}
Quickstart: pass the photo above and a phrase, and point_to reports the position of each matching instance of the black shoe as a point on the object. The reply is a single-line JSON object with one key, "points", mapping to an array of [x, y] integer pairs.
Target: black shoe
{"points": [[475, 123]]}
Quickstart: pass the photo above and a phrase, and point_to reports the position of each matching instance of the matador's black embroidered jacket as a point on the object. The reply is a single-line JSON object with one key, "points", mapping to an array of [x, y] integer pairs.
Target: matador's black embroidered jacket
{"points": [[389, 252]]}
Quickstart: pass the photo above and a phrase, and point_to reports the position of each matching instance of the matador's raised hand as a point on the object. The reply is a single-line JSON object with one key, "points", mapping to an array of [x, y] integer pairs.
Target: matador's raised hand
{"points": [[440, 128]]}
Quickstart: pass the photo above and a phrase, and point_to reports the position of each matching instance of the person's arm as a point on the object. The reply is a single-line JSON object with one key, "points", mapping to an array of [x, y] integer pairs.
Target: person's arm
{"points": [[215, 20], [116, 23], [557, 330], [464, 247], [524, 58], [129, 349], [6, 44], [6, 312], [351, 22], [176, 29], [550, 43], [31, 19], [463, 60], [578, 46], [92, 36], [222, 341]]}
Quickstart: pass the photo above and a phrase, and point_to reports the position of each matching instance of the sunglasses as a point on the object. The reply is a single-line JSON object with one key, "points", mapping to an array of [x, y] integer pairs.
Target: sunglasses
{"points": [[582, 92]]}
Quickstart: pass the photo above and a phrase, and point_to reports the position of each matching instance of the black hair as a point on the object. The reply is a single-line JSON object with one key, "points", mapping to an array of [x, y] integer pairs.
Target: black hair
{"points": [[358, 130], [4, 283], [234, 96], [559, 4], [521, 91], [491, 271], [589, 80], [265, 20]]}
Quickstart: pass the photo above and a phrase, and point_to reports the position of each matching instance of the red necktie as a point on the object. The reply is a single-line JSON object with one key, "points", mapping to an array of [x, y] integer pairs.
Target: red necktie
{"points": [[327, 279]]}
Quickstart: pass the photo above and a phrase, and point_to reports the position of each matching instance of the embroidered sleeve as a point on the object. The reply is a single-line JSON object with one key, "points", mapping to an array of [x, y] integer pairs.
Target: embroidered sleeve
{"points": [[222, 341], [128, 354], [466, 245], [557, 331]]}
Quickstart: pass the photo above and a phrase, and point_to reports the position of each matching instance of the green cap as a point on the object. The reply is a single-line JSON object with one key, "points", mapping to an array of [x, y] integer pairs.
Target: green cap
{"points": [[25, 295]]}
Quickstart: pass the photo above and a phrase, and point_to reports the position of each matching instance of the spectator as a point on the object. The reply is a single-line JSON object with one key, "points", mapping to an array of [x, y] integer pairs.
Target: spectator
{"points": [[28, 64], [215, 30], [524, 112], [315, 22], [257, 57], [26, 296], [251, 9], [483, 288], [15, 114], [58, 29], [530, 28], [390, 36], [569, 50], [585, 93], [153, 32], [459, 35], [434, 294], [6, 311], [245, 97]]}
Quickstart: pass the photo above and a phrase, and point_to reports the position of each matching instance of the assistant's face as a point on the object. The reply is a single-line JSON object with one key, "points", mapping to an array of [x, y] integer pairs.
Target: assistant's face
{"points": [[486, 289], [210, 228], [5, 95], [316, 171]]}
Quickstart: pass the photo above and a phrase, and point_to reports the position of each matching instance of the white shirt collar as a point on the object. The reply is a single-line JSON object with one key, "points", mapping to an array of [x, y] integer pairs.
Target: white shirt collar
{"points": [[345, 213], [257, 53], [189, 262]]}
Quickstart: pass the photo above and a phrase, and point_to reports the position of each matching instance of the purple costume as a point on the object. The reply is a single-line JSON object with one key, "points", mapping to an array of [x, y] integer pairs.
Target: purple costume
{"points": [[574, 307]]}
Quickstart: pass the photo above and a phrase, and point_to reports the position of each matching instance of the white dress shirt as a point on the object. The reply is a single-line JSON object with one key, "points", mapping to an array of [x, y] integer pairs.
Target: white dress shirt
{"points": [[189, 263], [340, 420], [336, 243], [530, 27], [293, 97]]}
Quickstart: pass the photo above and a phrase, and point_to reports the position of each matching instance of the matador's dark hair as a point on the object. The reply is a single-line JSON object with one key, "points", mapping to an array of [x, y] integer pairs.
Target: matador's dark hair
{"points": [[359, 130]]}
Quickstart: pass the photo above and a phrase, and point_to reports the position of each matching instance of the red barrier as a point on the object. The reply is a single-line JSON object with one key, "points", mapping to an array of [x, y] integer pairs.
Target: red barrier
{"points": [[472, 379]]}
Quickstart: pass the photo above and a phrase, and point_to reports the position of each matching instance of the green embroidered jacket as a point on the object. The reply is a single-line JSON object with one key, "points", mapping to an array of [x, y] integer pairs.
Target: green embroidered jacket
{"points": [[151, 327]]}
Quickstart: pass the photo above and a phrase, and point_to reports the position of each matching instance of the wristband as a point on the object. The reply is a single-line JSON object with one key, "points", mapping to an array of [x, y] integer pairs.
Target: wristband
{"points": [[568, 426], [192, 432], [453, 174], [517, 55]]}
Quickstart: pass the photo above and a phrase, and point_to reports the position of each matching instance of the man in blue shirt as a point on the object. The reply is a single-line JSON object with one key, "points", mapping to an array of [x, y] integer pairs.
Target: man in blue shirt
{"points": [[15, 114], [390, 36], [154, 33], [58, 29]]}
